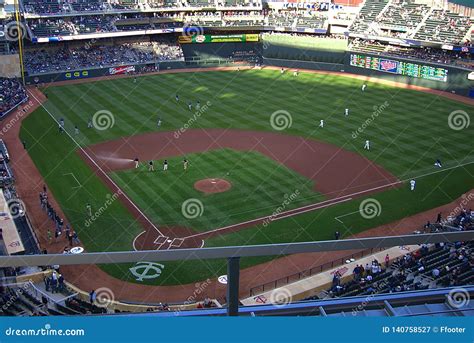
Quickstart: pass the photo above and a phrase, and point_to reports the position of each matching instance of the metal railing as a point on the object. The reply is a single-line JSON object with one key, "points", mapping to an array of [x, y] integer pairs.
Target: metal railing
{"points": [[268, 286]]}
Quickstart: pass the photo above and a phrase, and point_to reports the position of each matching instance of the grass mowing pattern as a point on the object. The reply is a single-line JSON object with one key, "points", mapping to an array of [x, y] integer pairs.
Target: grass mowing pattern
{"points": [[406, 138], [253, 194]]}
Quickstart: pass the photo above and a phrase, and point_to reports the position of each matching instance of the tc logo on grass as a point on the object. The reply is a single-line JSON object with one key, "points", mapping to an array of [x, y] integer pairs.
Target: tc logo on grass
{"points": [[103, 120], [141, 269], [281, 120], [459, 120], [370, 208], [192, 208], [458, 297]]}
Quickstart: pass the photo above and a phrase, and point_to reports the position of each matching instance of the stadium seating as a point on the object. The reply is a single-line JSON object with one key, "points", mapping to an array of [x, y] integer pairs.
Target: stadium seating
{"points": [[444, 26]]}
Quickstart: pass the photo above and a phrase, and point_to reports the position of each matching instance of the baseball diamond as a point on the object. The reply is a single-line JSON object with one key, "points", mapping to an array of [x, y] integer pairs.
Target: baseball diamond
{"points": [[177, 144]]}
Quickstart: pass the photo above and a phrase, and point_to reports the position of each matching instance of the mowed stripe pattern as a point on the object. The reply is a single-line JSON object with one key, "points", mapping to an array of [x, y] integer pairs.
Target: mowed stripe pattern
{"points": [[408, 130], [259, 187]]}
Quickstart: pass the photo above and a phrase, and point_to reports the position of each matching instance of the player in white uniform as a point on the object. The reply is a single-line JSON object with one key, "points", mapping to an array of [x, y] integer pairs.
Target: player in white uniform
{"points": [[367, 145], [165, 165], [321, 123], [137, 163], [438, 163], [295, 73], [412, 184], [364, 86], [346, 113]]}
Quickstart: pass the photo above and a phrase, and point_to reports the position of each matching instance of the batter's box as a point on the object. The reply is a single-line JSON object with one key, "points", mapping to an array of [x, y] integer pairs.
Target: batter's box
{"points": [[177, 242], [160, 240]]}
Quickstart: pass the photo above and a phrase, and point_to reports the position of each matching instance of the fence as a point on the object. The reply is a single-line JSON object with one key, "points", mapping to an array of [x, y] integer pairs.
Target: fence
{"points": [[309, 272]]}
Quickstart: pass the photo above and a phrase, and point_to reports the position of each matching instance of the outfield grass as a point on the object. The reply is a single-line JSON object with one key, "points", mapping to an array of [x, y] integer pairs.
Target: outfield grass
{"points": [[253, 194], [407, 136]]}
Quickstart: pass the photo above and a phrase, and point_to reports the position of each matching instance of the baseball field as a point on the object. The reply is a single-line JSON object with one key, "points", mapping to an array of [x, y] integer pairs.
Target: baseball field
{"points": [[261, 167]]}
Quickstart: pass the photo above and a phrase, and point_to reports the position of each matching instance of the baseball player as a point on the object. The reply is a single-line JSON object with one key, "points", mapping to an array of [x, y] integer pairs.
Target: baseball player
{"points": [[185, 164], [177, 98], [364, 86], [135, 79], [89, 123], [295, 73], [282, 71], [412, 184], [321, 123], [367, 145], [137, 163], [165, 165], [159, 122], [76, 130], [190, 106], [89, 209], [438, 163], [198, 105], [61, 125], [346, 113], [151, 166]]}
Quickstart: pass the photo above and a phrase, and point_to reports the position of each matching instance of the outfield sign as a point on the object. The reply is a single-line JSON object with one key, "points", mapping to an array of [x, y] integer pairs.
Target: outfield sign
{"points": [[241, 38], [410, 69]]}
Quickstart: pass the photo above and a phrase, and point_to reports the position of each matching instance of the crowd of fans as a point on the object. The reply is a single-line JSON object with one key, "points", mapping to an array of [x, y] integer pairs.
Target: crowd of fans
{"points": [[98, 56], [426, 54], [430, 266], [12, 93]]}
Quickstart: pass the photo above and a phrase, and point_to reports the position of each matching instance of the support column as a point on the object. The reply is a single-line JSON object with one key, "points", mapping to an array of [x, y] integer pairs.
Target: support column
{"points": [[233, 275]]}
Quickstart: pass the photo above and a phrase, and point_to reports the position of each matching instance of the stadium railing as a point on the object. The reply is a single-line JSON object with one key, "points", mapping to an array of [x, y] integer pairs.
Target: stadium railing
{"points": [[232, 254], [312, 271]]}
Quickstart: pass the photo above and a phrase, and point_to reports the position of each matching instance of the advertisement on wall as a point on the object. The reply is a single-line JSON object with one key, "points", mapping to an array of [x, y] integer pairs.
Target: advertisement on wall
{"points": [[242, 38], [121, 70]]}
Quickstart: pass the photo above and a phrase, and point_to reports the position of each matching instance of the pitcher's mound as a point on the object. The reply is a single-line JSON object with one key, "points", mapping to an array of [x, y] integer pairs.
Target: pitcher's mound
{"points": [[212, 185]]}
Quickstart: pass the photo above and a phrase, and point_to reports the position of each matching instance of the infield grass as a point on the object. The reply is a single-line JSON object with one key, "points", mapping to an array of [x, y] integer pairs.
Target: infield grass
{"points": [[407, 136]]}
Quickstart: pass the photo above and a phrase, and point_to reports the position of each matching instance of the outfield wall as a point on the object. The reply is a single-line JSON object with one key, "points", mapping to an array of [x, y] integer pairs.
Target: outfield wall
{"points": [[457, 80]]}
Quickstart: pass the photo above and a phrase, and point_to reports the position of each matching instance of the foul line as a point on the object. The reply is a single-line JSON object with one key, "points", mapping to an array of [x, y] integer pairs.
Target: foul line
{"points": [[99, 168], [75, 178], [289, 213]]}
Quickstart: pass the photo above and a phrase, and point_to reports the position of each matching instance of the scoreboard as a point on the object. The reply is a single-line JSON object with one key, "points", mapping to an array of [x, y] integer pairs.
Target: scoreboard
{"points": [[410, 69]]}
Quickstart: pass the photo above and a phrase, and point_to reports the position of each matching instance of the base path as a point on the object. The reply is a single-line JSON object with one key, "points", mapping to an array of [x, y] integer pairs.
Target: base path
{"points": [[324, 163], [29, 183]]}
